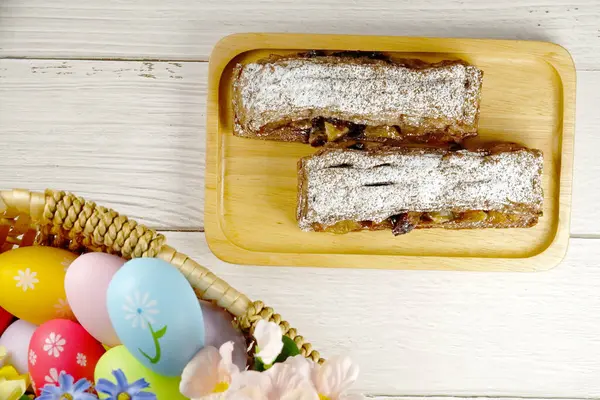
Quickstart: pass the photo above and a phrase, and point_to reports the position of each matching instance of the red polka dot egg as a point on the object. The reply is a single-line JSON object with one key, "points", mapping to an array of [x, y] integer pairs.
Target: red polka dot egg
{"points": [[62, 345]]}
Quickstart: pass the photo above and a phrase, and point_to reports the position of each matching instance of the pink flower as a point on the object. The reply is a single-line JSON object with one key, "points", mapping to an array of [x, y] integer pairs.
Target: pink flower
{"points": [[334, 378], [289, 380], [209, 373]]}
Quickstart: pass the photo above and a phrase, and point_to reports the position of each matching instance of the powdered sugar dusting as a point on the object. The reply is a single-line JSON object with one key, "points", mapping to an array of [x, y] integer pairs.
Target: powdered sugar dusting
{"points": [[359, 186], [372, 93]]}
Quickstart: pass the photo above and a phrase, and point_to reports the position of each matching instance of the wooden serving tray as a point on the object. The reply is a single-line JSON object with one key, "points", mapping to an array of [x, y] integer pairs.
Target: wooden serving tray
{"points": [[528, 97]]}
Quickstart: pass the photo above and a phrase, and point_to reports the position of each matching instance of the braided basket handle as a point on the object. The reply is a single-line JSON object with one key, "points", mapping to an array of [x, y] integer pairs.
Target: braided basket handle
{"points": [[64, 220]]}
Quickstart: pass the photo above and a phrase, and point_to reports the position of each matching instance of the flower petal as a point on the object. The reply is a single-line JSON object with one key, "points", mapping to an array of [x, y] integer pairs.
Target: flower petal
{"points": [[144, 395], [65, 381], [334, 377], [137, 386], [107, 387], [85, 396], [301, 365], [247, 393], [268, 341], [200, 375], [226, 367], [51, 389], [82, 385], [122, 383], [247, 379], [47, 396], [304, 392]]}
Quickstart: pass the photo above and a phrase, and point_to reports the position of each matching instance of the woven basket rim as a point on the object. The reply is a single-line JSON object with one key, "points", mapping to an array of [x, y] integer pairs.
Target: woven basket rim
{"points": [[64, 220]]}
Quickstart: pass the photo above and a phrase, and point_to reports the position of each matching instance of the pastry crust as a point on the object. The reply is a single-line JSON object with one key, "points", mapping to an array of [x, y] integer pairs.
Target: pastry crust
{"points": [[365, 97], [403, 188]]}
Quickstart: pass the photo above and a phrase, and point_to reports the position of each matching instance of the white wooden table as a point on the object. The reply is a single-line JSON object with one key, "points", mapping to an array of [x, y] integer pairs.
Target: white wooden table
{"points": [[107, 99]]}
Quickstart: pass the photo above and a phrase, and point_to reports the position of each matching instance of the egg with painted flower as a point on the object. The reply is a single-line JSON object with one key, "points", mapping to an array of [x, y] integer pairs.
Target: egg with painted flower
{"points": [[32, 283], [164, 387], [62, 345], [156, 314]]}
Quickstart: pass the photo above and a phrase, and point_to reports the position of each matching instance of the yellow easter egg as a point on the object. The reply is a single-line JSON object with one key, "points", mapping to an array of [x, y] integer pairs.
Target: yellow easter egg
{"points": [[32, 283], [164, 387]]}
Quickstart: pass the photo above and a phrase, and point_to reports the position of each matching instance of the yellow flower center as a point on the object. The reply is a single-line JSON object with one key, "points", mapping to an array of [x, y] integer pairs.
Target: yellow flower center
{"points": [[323, 397], [65, 396], [221, 387], [123, 396]]}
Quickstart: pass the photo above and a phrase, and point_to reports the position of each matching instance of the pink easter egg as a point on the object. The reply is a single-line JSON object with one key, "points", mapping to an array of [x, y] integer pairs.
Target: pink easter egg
{"points": [[86, 283], [16, 341], [62, 345], [218, 329]]}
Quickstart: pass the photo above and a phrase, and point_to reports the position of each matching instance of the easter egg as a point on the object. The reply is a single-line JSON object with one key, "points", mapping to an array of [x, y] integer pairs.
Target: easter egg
{"points": [[5, 319], [86, 284], [156, 314], [218, 327], [32, 283], [164, 387], [16, 341], [62, 345]]}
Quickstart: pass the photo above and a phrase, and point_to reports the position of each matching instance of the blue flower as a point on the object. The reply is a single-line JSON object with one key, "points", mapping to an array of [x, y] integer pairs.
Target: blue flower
{"points": [[67, 390], [123, 390]]}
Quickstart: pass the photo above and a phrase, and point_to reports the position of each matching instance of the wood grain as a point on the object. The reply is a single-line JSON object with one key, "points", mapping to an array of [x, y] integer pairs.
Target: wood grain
{"points": [[441, 333], [187, 30], [585, 218], [134, 139], [129, 135]]}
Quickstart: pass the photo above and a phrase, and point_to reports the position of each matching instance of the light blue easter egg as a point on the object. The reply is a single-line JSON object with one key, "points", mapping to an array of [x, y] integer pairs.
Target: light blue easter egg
{"points": [[156, 315]]}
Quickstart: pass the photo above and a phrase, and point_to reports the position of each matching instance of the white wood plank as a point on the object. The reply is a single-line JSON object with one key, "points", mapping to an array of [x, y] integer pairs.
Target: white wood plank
{"points": [[187, 30], [129, 135], [586, 188], [442, 333]]}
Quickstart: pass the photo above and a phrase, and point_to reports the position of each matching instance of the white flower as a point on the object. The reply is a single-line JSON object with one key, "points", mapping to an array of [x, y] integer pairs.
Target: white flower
{"points": [[334, 377], [52, 377], [62, 309], [26, 279], [209, 373], [54, 344], [139, 310], [269, 341], [32, 357], [289, 380], [81, 359]]}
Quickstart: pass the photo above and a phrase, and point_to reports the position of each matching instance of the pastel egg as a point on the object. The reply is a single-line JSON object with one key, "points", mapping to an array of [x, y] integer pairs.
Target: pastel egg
{"points": [[62, 345], [16, 341], [164, 387], [218, 326], [32, 283], [86, 284], [156, 314], [5, 319]]}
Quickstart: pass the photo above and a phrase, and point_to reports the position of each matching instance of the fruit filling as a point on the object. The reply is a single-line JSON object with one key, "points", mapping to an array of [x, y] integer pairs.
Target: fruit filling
{"points": [[406, 222]]}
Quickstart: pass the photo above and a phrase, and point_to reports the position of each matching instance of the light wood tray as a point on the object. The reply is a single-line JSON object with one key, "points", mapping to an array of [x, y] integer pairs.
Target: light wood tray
{"points": [[528, 97]]}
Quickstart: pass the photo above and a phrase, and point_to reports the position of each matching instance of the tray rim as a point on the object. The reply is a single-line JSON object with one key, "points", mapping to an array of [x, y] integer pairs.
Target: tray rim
{"points": [[231, 46]]}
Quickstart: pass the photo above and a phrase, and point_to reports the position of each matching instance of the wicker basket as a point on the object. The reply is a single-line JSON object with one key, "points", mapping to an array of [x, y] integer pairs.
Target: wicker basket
{"points": [[60, 219]]}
